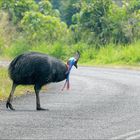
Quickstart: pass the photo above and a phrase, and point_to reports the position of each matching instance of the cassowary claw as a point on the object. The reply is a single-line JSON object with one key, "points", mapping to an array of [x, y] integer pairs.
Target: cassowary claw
{"points": [[9, 105], [42, 109]]}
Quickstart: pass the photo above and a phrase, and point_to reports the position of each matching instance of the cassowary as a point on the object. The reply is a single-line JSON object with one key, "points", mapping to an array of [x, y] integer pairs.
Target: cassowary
{"points": [[38, 69]]}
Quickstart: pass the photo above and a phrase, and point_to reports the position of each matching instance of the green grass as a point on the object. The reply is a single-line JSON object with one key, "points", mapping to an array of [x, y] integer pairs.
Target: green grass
{"points": [[16, 48], [110, 54], [107, 56], [113, 55], [6, 83]]}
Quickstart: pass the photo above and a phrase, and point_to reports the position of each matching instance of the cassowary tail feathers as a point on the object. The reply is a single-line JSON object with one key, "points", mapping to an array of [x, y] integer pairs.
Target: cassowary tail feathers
{"points": [[12, 64]]}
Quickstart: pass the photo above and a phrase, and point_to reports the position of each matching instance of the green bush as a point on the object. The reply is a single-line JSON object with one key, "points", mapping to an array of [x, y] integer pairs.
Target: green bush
{"points": [[89, 55], [131, 54], [58, 50], [17, 48], [43, 48]]}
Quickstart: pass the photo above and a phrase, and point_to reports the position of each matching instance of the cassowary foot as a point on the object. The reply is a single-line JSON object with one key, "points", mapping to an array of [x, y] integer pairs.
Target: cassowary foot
{"points": [[9, 105], [41, 109]]}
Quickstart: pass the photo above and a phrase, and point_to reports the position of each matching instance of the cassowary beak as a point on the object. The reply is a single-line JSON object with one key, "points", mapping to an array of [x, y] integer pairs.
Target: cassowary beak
{"points": [[76, 65]]}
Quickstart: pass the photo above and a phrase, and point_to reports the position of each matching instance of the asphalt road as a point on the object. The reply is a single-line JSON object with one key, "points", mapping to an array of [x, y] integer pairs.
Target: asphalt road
{"points": [[101, 104]]}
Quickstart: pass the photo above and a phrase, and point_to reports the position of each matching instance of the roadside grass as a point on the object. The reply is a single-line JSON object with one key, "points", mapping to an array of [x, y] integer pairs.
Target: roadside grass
{"points": [[113, 55], [6, 83], [108, 56]]}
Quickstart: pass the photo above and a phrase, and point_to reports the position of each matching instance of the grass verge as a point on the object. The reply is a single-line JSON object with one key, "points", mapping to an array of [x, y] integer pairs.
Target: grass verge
{"points": [[111, 56], [6, 83]]}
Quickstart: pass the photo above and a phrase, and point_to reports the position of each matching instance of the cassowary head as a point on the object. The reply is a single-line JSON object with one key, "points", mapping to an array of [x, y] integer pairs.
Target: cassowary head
{"points": [[77, 56], [74, 60]]}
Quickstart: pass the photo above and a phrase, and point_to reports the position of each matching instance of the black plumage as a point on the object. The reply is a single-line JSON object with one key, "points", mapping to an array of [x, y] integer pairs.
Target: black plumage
{"points": [[36, 69]]}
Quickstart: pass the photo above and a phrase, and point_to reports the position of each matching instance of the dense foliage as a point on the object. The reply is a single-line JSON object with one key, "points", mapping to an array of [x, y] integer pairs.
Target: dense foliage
{"points": [[28, 24], [103, 21]]}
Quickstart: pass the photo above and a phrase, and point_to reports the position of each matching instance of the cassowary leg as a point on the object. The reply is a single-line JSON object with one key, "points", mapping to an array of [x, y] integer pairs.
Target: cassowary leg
{"points": [[10, 98], [37, 90]]}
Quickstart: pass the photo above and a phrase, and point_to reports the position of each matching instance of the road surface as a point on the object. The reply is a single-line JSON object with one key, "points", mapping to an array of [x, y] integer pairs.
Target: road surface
{"points": [[101, 104]]}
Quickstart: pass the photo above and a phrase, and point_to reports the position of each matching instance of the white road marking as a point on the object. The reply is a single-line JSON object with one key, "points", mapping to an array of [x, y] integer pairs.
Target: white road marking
{"points": [[128, 136], [134, 137]]}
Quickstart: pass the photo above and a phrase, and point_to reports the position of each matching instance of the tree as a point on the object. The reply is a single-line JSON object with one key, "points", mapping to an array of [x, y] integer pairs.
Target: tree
{"points": [[96, 22], [67, 9], [17, 8], [92, 19], [41, 27], [56, 4]]}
